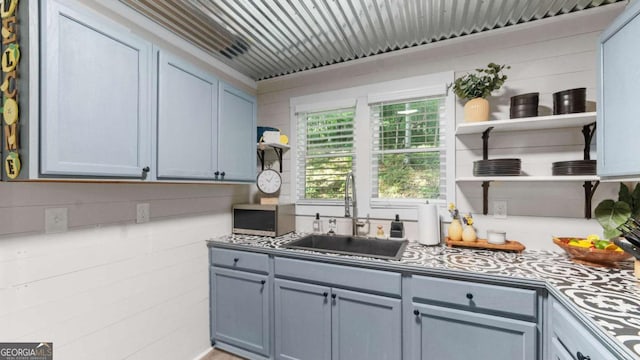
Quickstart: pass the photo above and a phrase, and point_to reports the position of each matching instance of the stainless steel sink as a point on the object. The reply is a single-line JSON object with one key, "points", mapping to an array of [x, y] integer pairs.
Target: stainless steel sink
{"points": [[350, 245]]}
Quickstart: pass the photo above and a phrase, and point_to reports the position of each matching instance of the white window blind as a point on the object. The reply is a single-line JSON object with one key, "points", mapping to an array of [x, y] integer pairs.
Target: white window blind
{"points": [[408, 150], [325, 153]]}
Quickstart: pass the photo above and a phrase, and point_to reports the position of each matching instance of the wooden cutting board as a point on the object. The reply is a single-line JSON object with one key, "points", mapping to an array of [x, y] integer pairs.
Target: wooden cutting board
{"points": [[509, 245]]}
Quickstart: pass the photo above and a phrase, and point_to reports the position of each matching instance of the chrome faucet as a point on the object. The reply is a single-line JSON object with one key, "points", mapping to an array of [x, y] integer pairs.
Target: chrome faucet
{"points": [[350, 200]]}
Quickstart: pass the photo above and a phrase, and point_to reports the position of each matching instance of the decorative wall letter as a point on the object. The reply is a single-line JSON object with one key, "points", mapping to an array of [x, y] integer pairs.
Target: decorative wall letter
{"points": [[9, 62]]}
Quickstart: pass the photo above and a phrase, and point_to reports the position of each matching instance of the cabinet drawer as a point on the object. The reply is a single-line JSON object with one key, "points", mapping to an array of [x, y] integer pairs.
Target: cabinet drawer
{"points": [[475, 297], [337, 275], [570, 332], [240, 260]]}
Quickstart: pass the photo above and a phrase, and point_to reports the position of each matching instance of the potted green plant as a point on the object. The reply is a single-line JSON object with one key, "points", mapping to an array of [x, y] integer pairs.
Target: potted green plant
{"points": [[476, 87], [611, 214]]}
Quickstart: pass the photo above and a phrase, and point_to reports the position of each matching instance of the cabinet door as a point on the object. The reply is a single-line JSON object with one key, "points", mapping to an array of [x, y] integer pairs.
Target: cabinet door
{"points": [[237, 134], [187, 120], [618, 111], [303, 321], [240, 309], [444, 333], [95, 103], [558, 352], [365, 326], [572, 335]]}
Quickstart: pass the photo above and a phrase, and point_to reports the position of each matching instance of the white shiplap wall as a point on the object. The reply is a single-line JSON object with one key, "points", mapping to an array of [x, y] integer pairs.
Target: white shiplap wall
{"points": [[545, 56], [110, 288]]}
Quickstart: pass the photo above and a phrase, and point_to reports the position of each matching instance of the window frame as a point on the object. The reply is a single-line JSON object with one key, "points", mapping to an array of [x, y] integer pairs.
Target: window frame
{"points": [[377, 202], [296, 162], [361, 97]]}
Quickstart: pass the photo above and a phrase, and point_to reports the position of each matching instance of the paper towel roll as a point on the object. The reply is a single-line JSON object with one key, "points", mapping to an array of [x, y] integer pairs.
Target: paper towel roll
{"points": [[428, 224]]}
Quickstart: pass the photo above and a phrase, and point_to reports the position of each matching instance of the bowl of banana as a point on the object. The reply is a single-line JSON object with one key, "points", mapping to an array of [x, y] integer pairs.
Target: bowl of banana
{"points": [[592, 250]]}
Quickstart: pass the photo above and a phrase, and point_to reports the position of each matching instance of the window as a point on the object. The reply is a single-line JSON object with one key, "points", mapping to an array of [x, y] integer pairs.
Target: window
{"points": [[408, 149], [393, 135], [325, 154]]}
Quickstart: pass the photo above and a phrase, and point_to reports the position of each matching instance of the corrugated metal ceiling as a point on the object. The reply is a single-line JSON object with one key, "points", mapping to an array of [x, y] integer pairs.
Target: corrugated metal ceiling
{"points": [[268, 38]]}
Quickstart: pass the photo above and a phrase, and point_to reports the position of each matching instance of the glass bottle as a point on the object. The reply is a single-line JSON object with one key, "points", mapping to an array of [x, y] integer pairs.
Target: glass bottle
{"points": [[317, 225]]}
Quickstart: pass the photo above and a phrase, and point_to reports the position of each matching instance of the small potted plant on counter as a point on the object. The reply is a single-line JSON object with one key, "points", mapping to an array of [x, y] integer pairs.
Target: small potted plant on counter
{"points": [[475, 88]]}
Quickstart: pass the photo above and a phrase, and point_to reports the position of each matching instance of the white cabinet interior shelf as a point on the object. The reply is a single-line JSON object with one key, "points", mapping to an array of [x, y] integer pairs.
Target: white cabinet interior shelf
{"points": [[586, 121], [531, 123]]}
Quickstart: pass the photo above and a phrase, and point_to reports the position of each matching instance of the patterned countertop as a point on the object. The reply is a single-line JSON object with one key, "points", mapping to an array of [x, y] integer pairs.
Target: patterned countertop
{"points": [[608, 298]]}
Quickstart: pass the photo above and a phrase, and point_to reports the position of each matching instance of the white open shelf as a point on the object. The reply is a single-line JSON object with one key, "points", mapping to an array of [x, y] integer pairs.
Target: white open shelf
{"points": [[531, 123], [529, 178], [274, 145]]}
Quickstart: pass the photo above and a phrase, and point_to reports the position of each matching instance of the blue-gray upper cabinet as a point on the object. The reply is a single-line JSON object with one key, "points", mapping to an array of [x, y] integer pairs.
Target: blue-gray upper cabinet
{"points": [[366, 326], [95, 88], [303, 321], [619, 84], [187, 120], [452, 334], [240, 309], [237, 134]]}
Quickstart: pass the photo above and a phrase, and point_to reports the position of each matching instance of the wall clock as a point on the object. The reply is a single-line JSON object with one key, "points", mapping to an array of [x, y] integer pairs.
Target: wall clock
{"points": [[269, 181]]}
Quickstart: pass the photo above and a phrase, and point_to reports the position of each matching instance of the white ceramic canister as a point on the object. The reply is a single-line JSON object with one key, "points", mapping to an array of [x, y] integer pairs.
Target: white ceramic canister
{"points": [[496, 237]]}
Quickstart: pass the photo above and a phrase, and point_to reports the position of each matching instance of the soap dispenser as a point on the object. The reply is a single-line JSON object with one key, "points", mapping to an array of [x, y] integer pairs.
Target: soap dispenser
{"points": [[317, 225], [397, 228]]}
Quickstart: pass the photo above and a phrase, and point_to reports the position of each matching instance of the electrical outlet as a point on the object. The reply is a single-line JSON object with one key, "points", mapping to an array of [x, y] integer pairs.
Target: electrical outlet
{"points": [[55, 220], [500, 209], [142, 213]]}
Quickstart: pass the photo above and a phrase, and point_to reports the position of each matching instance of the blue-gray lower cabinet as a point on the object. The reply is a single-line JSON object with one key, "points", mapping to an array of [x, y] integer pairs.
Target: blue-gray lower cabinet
{"points": [[240, 307], [303, 320], [322, 323], [453, 334], [569, 339], [557, 351], [365, 326]]}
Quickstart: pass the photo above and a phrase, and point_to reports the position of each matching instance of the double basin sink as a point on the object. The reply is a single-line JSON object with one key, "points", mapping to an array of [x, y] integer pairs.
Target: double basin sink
{"points": [[350, 245]]}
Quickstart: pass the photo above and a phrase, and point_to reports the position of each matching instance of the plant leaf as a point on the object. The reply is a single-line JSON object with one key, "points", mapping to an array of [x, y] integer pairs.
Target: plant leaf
{"points": [[624, 194], [635, 198], [480, 84], [611, 214], [610, 233]]}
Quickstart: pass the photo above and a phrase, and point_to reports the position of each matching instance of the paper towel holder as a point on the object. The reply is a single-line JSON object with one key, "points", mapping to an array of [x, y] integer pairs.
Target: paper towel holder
{"points": [[429, 224]]}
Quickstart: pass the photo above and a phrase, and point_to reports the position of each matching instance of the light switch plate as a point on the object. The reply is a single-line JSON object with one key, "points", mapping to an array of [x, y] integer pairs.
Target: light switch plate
{"points": [[56, 220], [500, 209], [142, 213]]}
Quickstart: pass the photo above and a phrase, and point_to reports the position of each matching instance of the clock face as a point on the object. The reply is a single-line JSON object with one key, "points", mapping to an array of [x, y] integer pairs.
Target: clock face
{"points": [[269, 181]]}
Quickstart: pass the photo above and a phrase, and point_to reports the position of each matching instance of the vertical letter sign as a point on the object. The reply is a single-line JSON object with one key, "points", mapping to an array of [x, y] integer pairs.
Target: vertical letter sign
{"points": [[9, 61]]}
